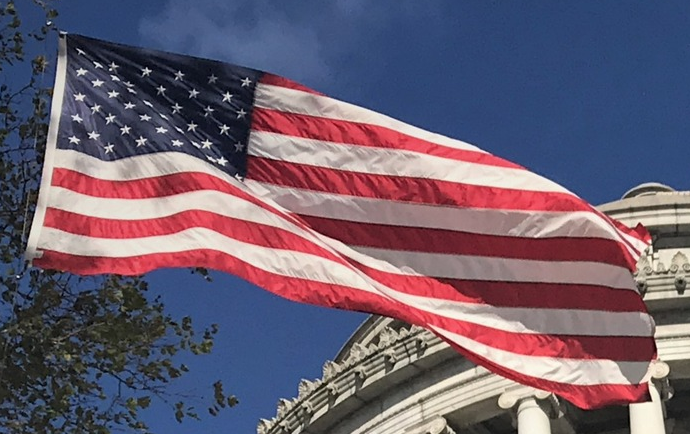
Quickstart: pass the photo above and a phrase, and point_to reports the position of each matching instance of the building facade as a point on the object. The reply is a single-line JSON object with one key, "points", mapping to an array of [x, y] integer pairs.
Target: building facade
{"points": [[392, 378]]}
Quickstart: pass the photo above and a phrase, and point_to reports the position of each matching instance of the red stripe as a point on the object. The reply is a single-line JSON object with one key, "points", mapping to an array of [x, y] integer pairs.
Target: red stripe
{"points": [[507, 294], [406, 189], [512, 294], [160, 186], [451, 242], [238, 229], [420, 239], [586, 397], [275, 80], [342, 297], [352, 133]]}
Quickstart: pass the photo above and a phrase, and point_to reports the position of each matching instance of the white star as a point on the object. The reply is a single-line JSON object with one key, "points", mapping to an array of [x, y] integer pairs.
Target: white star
{"points": [[161, 90], [109, 148], [210, 158], [206, 144], [80, 51], [131, 90], [163, 116], [128, 83], [77, 119], [196, 145], [224, 129], [193, 93], [124, 130], [147, 103], [191, 127], [110, 118], [141, 141], [145, 117], [179, 75], [96, 108], [129, 105], [145, 72], [97, 65], [114, 78], [161, 130], [176, 108], [81, 71], [94, 135], [176, 143], [241, 113], [97, 83], [246, 82], [238, 147], [222, 161], [74, 140], [208, 109], [212, 79], [79, 97], [227, 96], [113, 94], [178, 129], [113, 67]]}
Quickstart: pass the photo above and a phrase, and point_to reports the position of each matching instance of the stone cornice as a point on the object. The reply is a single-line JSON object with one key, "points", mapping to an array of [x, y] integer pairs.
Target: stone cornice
{"points": [[371, 371]]}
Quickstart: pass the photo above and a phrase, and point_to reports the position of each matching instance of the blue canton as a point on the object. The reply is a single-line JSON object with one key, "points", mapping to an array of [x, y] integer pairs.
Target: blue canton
{"points": [[121, 101]]}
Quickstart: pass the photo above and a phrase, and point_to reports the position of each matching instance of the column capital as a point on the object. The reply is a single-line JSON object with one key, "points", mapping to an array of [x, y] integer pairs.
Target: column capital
{"points": [[435, 425], [658, 376], [511, 398]]}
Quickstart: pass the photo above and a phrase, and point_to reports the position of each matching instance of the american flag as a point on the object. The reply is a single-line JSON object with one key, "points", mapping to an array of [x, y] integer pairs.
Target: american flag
{"points": [[161, 160]]}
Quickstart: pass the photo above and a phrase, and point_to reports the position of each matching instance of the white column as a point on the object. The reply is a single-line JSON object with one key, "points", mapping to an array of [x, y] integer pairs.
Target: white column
{"points": [[531, 417], [648, 417]]}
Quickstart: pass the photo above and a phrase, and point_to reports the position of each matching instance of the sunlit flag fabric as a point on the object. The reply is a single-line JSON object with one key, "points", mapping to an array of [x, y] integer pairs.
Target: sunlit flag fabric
{"points": [[161, 160]]}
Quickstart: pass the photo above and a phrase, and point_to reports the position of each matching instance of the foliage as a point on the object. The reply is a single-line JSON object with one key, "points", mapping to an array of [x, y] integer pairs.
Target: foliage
{"points": [[77, 354]]}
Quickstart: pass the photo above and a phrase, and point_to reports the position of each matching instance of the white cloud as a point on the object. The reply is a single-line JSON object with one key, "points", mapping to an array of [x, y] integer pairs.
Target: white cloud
{"points": [[302, 40], [269, 41]]}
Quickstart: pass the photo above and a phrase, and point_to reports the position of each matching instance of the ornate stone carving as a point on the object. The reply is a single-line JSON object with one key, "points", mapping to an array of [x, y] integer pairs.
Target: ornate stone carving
{"points": [[307, 409], [679, 262], [264, 426], [305, 388], [332, 389], [283, 407], [361, 373], [330, 370], [644, 266], [387, 337], [357, 353], [390, 357]]}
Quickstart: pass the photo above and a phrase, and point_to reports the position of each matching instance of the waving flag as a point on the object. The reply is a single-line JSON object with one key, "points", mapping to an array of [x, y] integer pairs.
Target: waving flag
{"points": [[162, 160]]}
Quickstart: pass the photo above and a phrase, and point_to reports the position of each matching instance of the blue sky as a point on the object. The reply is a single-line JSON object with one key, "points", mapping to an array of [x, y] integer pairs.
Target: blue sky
{"points": [[592, 94]]}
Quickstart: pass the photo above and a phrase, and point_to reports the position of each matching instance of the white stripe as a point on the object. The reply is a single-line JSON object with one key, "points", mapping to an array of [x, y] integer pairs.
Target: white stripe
{"points": [[51, 140], [166, 163], [381, 161], [513, 223], [504, 269], [136, 167], [570, 371], [536, 321], [460, 267], [319, 269], [297, 101], [415, 263]]}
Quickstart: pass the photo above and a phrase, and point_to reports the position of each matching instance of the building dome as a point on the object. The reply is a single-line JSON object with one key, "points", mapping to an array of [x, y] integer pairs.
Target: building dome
{"points": [[393, 378]]}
